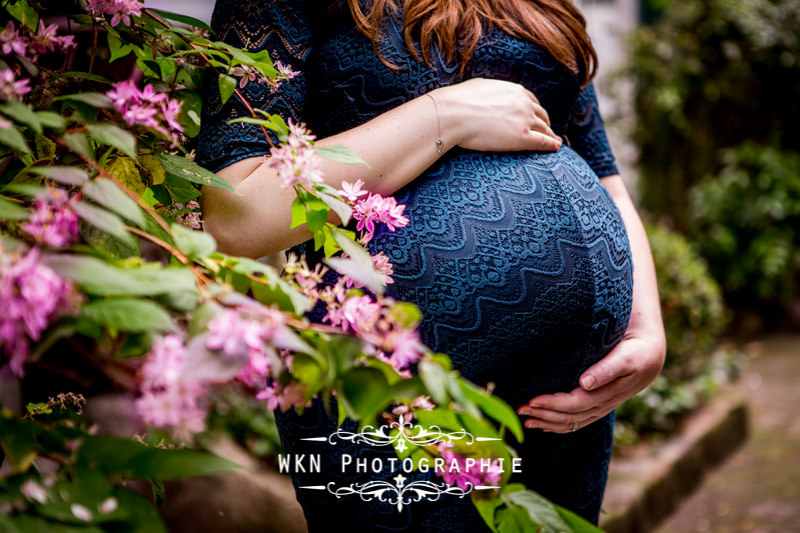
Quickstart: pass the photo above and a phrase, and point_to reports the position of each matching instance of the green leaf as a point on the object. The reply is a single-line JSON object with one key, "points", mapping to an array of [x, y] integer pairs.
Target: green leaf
{"points": [[103, 220], [366, 275], [577, 523], [486, 508], [340, 154], [107, 194], [126, 172], [23, 12], [97, 277], [117, 48], [435, 379], [494, 407], [65, 175], [342, 210], [11, 211], [192, 108], [186, 169], [227, 85], [18, 442], [191, 21], [92, 99], [353, 249], [194, 244], [11, 137], [178, 464], [22, 113], [298, 213], [155, 168], [128, 314], [114, 136], [367, 392], [180, 190], [78, 143], [540, 511], [51, 120], [84, 76], [108, 245]]}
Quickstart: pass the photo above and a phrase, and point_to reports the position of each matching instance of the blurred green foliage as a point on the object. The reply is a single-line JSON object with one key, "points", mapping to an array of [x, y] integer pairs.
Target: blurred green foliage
{"points": [[746, 223], [710, 74], [694, 317]]}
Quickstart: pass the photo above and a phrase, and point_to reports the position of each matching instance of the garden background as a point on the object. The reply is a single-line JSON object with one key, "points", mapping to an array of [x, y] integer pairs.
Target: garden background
{"points": [[700, 98]]}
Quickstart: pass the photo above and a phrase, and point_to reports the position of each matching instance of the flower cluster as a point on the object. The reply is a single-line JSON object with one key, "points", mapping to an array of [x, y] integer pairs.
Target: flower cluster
{"points": [[246, 338], [53, 222], [11, 88], [467, 473], [372, 320], [420, 403], [148, 108], [296, 160], [120, 10], [168, 399], [290, 396], [371, 209], [307, 280], [31, 296], [188, 215], [30, 45]]}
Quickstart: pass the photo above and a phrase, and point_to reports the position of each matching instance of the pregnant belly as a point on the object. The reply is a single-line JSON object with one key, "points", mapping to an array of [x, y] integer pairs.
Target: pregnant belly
{"points": [[520, 264]]}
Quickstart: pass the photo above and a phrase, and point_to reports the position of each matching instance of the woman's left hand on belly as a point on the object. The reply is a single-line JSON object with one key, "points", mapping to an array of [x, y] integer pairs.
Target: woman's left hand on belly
{"points": [[626, 370], [633, 363]]}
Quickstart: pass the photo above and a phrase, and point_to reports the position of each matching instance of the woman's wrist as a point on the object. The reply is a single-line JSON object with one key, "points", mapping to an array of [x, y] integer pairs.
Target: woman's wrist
{"points": [[450, 122]]}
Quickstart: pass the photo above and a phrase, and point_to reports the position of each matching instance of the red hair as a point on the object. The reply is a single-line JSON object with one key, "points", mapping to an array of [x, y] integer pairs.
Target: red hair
{"points": [[456, 26]]}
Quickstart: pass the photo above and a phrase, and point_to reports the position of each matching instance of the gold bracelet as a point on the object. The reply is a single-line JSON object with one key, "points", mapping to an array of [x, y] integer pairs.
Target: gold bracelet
{"points": [[439, 142]]}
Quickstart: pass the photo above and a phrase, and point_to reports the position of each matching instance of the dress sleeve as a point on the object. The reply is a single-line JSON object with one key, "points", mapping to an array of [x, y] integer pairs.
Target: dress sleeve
{"points": [[283, 27], [587, 135]]}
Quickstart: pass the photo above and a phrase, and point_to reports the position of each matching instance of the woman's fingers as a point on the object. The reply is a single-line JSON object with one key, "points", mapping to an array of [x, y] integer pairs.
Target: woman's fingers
{"points": [[538, 141]]}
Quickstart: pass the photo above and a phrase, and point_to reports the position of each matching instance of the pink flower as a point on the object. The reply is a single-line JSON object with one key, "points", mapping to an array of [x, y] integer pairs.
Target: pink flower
{"points": [[188, 215], [45, 40], [11, 88], [53, 222], [12, 41], [376, 208], [406, 348], [352, 191], [168, 400], [296, 161], [165, 362], [358, 313], [175, 407], [292, 396], [34, 491], [170, 111], [467, 474], [235, 335], [120, 10], [383, 266], [31, 296], [148, 108]]}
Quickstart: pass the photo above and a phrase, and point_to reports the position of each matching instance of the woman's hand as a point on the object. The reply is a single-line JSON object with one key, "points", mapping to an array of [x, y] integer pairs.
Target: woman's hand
{"points": [[626, 370], [633, 363], [493, 116]]}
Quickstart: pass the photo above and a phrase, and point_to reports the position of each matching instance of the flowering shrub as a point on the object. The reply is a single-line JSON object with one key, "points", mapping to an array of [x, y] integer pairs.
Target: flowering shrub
{"points": [[101, 248]]}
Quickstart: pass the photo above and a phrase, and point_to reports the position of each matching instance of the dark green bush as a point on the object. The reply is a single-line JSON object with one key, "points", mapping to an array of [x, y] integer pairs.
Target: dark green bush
{"points": [[746, 223], [694, 316], [710, 74]]}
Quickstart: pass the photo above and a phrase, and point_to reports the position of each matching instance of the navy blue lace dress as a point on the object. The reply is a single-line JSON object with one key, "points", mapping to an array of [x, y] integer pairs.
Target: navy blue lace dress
{"points": [[519, 261]]}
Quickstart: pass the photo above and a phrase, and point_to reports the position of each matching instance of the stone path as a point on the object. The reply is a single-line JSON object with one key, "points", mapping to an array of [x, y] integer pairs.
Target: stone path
{"points": [[757, 490]]}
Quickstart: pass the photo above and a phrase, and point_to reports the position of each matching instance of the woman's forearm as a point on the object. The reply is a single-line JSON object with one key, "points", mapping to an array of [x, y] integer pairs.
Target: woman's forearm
{"points": [[645, 321], [397, 146]]}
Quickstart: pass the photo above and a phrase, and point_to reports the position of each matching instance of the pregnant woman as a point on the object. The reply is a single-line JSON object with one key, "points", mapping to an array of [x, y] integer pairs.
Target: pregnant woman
{"points": [[523, 251]]}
